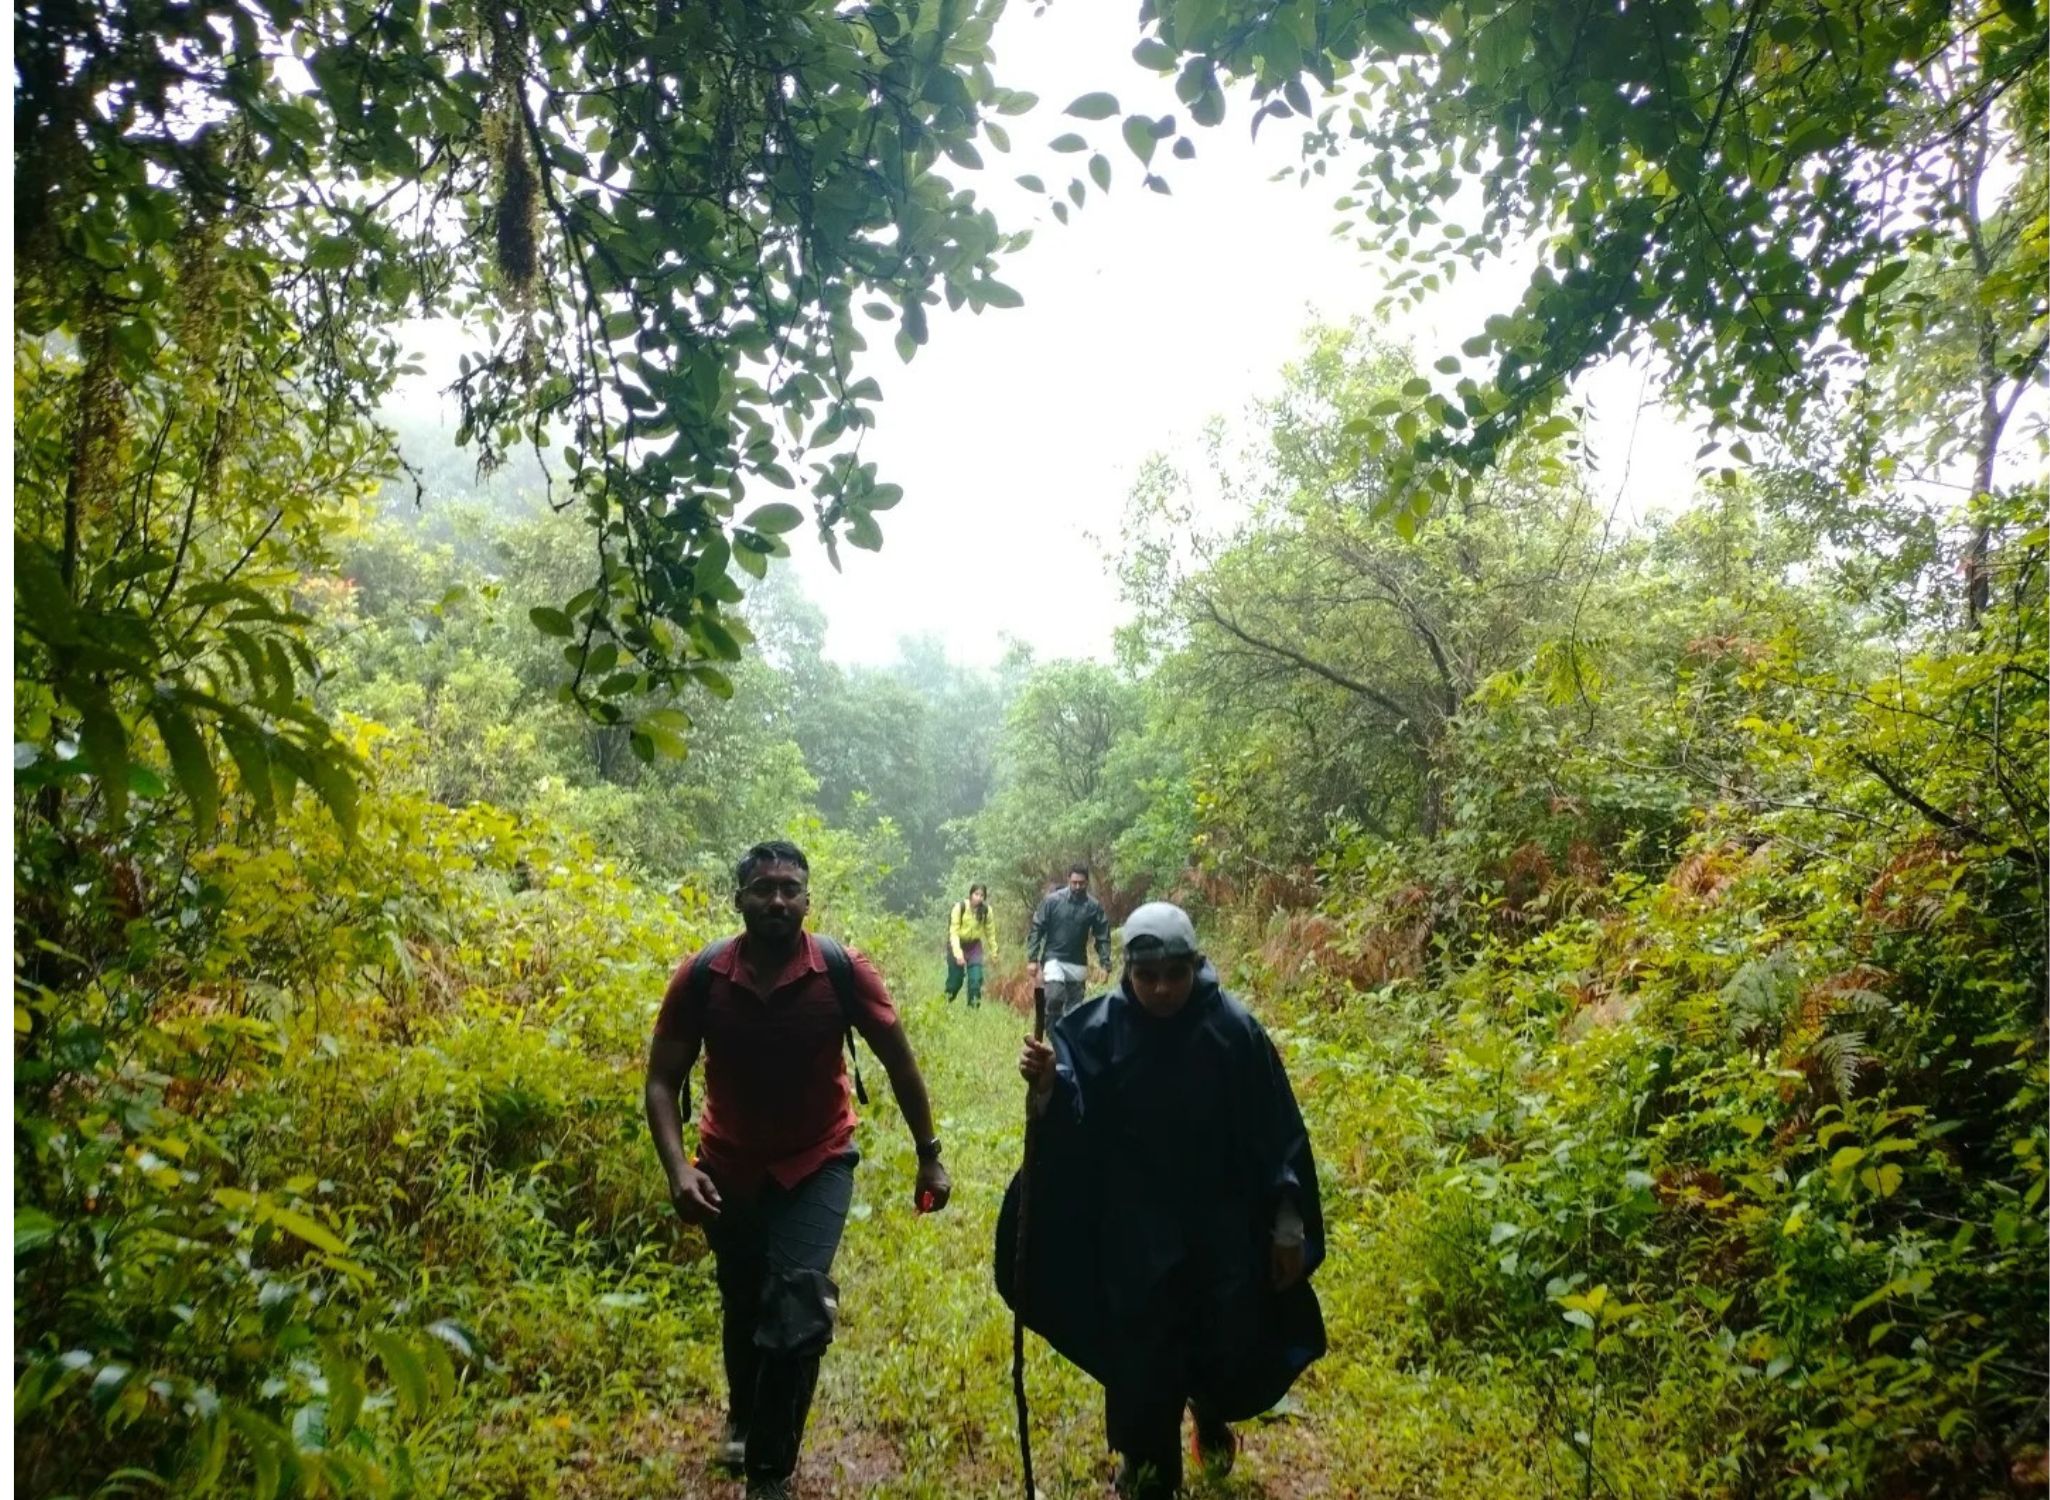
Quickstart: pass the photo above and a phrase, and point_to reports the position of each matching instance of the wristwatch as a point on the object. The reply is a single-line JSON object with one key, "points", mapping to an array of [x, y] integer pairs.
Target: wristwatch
{"points": [[929, 1151]]}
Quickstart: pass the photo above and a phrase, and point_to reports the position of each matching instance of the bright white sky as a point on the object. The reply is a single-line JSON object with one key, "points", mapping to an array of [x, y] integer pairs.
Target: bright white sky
{"points": [[1017, 434]]}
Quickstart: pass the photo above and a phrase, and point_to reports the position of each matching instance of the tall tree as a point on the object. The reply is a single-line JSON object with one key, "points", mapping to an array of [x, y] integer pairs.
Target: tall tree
{"points": [[657, 225], [1324, 648], [1734, 187]]}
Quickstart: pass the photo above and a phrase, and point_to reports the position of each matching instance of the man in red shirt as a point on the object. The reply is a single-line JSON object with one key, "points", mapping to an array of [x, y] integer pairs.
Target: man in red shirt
{"points": [[775, 1169]]}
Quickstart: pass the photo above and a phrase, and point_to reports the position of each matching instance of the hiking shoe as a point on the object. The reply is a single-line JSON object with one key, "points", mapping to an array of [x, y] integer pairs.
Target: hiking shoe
{"points": [[772, 1489], [732, 1446], [1213, 1445]]}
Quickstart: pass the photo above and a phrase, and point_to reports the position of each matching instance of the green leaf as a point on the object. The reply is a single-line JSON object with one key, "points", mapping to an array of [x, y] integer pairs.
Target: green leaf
{"points": [[403, 1365], [1154, 54], [336, 788], [107, 1386], [303, 1227], [775, 519], [719, 639], [331, 252], [456, 1336], [345, 1388], [1098, 106], [1032, 184], [265, 1442], [665, 743], [1392, 32], [193, 767], [33, 1229], [1885, 277], [1138, 133], [43, 605], [252, 764], [1099, 169], [1067, 143], [105, 739], [551, 621]]}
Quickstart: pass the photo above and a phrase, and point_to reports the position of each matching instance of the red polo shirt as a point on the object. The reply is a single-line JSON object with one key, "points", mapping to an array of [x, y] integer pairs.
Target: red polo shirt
{"points": [[777, 1102]]}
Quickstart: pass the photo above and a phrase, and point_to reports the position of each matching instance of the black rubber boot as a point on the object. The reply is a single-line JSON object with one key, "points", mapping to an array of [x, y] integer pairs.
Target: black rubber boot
{"points": [[782, 1404]]}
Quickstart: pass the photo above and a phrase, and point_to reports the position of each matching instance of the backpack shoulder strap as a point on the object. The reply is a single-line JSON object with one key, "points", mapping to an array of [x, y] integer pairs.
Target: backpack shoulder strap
{"points": [[840, 969], [699, 985]]}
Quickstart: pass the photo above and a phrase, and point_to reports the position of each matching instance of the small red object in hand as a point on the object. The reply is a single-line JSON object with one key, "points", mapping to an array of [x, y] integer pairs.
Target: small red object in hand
{"points": [[925, 1201]]}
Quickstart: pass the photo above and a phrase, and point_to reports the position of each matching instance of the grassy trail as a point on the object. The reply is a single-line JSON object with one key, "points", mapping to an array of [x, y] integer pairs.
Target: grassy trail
{"points": [[915, 1400]]}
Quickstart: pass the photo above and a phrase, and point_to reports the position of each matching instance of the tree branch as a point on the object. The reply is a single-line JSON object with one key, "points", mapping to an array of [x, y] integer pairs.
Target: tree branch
{"points": [[1892, 782], [1405, 721]]}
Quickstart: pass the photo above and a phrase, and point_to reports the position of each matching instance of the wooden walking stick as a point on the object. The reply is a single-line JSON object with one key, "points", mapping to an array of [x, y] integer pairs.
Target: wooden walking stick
{"points": [[1018, 1277]]}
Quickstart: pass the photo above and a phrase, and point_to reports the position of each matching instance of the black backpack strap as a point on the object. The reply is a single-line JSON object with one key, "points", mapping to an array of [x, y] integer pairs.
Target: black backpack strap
{"points": [[840, 969], [699, 985]]}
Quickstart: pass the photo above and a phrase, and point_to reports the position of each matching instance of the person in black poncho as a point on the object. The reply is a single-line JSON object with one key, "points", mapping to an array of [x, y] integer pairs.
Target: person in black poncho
{"points": [[1174, 1220]]}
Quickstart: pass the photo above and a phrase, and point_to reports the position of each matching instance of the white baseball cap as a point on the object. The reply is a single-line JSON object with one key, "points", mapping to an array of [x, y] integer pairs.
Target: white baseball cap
{"points": [[1160, 929]]}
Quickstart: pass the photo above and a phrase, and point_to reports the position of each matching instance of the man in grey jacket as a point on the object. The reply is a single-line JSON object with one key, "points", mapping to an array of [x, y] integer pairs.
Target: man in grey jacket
{"points": [[1058, 948]]}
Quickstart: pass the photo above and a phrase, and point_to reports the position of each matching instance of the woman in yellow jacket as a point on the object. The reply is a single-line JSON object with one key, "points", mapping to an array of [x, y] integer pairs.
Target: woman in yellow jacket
{"points": [[970, 944]]}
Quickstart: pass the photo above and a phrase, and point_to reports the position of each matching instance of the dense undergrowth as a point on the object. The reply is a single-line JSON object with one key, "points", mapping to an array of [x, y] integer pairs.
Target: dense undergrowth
{"points": [[332, 1176], [1741, 1169]]}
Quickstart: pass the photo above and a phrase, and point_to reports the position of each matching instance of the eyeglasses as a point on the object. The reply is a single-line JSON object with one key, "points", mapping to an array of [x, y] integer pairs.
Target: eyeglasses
{"points": [[765, 889]]}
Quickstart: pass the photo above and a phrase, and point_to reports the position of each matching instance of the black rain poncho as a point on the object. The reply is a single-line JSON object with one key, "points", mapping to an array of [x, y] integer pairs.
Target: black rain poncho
{"points": [[1160, 1161]]}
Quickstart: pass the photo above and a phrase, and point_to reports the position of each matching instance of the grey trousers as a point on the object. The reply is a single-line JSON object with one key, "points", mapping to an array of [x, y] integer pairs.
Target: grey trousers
{"points": [[1062, 996], [774, 1249]]}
